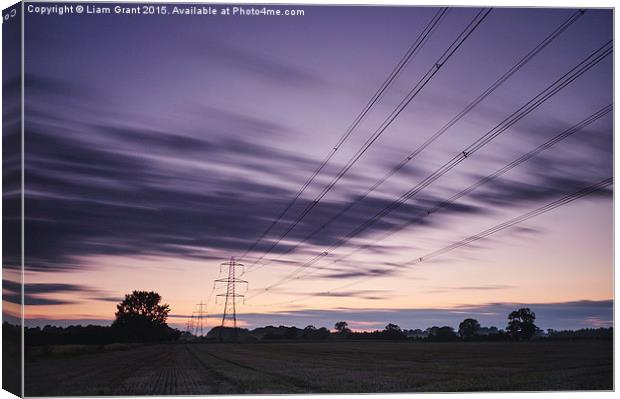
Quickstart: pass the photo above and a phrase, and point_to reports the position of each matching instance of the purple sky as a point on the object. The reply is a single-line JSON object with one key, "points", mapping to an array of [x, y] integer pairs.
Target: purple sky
{"points": [[158, 147]]}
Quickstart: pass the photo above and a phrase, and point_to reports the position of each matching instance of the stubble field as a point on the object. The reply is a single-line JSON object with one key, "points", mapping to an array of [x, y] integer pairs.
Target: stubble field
{"points": [[323, 367]]}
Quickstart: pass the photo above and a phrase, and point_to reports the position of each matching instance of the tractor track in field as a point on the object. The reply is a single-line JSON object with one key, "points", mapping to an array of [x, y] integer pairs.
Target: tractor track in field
{"points": [[84, 374], [220, 378], [330, 367], [161, 370], [284, 380], [180, 373]]}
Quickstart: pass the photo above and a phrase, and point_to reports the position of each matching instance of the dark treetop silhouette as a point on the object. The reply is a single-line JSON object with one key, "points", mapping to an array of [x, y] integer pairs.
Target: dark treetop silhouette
{"points": [[521, 324], [141, 317], [469, 328]]}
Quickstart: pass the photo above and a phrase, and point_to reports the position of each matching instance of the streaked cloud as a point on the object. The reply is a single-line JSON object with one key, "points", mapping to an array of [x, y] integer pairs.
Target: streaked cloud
{"points": [[187, 159]]}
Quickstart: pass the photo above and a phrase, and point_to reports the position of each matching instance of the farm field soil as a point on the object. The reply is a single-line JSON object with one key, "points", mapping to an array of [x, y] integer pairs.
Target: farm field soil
{"points": [[323, 367]]}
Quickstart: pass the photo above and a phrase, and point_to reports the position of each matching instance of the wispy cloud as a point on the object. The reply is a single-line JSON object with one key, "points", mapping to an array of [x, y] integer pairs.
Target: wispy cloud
{"points": [[37, 294], [98, 192], [490, 287], [251, 61], [193, 155], [361, 294]]}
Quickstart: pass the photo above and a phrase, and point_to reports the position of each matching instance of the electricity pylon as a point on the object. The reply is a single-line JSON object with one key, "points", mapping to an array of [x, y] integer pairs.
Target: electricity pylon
{"points": [[190, 324], [201, 314], [231, 295]]}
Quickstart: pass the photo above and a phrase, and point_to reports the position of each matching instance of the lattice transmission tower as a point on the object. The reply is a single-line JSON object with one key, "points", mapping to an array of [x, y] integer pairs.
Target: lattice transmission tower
{"points": [[190, 324], [231, 296], [201, 314], [196, 323]]}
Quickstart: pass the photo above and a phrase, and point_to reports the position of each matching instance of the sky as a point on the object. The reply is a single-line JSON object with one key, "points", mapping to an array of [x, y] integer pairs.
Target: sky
{"points": [[157, 147]]}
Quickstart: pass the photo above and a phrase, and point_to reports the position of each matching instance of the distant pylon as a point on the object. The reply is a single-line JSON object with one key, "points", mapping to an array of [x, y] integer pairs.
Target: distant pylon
{"points": [[231, 295], [201, 314], [190, 324]]}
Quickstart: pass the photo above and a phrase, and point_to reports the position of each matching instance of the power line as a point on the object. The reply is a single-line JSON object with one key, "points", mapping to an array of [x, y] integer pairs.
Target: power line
{"points": [[562, 201], [445, 203], [525, 157], [495, 229], [589, 62], [387, 83], [515, 68], [448, 53], [546, 94]]}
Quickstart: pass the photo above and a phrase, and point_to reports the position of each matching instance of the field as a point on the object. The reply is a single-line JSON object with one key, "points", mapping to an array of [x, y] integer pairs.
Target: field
{"points": [[321, 367]]}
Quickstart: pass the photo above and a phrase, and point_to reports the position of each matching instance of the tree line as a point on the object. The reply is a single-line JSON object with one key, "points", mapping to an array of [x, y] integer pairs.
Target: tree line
{"points": [[520, 326], [141, 317]]}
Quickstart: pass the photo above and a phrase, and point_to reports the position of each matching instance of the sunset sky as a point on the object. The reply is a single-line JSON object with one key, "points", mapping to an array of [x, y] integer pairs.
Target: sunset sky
{"points": [[158, 147]]}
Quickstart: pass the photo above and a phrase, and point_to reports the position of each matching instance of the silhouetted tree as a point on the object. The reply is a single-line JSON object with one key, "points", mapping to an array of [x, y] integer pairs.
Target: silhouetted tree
{"points": [[442, 334], [392, 331], [230, 334], [141, 317], [342, 327], [321, 333], [309, 332], [292, 333], [469, 328], [144, 304], [521, 324], [584, 333]]}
